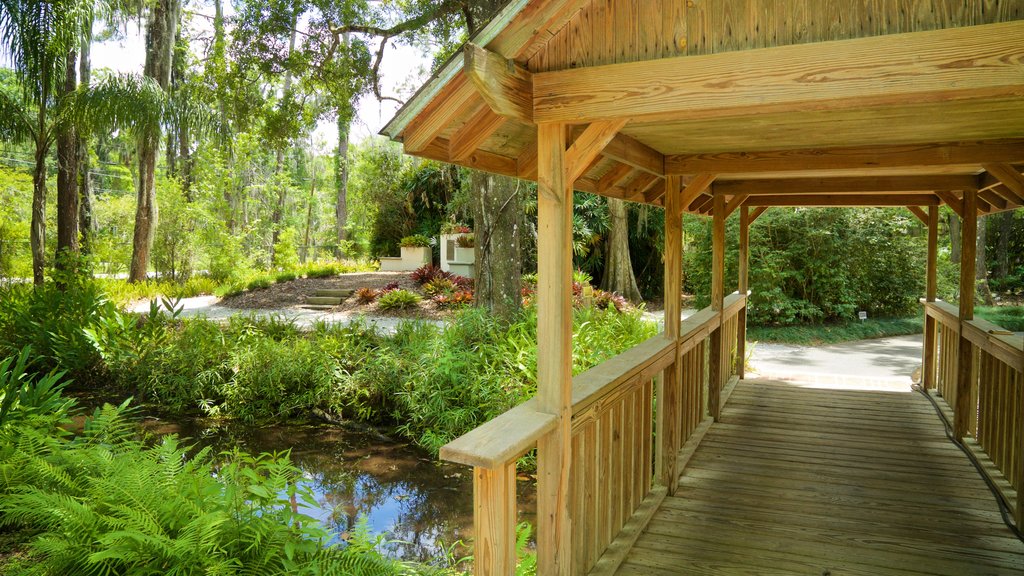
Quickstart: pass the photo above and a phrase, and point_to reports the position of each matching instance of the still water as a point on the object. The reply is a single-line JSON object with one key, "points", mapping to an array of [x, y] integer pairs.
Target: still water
{"points": [[421, 506]]}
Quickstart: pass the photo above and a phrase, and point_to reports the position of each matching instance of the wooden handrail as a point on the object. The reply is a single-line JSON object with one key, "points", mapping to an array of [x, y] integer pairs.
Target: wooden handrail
{"points": [[645, 359], [500, 440], [944, 313], [1009, 349]]}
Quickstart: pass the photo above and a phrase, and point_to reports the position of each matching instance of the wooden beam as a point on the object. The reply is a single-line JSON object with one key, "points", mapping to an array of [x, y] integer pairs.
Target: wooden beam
{"points": [[669, 397], [494, 519], [965, 364], [952, 201], [505, 86], [630, 151], [589, 145], [526, 163], [715, 363], [633, 189], [950, 64], [425, 128], [438, 149], [554, 349], [757, 213], [697, 186], [844, 200], [931, 290], [858, 157], [921, 214], [1011, 178], [701, 203], [743, 287], [475, 132], [845, 185], [734, 203]]}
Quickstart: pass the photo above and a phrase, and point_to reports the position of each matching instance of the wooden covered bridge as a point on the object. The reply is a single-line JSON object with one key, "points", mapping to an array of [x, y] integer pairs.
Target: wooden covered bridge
{"points": [[665, 460]]}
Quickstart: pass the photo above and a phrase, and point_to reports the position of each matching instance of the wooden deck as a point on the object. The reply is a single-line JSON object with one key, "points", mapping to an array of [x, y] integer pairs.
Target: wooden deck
{"points": [[804, 480]]}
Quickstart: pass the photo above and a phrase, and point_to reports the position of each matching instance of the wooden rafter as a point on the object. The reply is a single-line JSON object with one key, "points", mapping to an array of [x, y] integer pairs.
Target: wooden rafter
{"points": [[934, 66], [734, 203], [844, 200], [1011, 178], [475, 132], [921, 214], [952, 201], [504, 85], [847, 158], [425, 128], [589, 145], [630, 151], [655, 192], [695, 187], [526, 163], [756, 213], [845, 185], [438, 149], [613, 177], [995, 200]]}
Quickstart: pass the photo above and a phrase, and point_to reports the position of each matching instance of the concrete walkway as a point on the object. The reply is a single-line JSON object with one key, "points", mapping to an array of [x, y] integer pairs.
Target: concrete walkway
{"points": [[885, 360]]}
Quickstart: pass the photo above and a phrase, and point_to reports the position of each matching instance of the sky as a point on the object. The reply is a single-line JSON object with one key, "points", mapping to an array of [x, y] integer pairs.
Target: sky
{"points": [[402, 71]]}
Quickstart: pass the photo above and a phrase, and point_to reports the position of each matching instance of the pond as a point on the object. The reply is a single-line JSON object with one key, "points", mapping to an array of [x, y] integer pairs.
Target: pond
{"points": [[421, 506]]}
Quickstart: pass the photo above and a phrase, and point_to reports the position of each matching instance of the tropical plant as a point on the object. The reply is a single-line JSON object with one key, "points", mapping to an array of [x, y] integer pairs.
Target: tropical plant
{"points": [[439, 286], [397, 300], [466, 241], [427, 273], [415, 241], [366, 295]]}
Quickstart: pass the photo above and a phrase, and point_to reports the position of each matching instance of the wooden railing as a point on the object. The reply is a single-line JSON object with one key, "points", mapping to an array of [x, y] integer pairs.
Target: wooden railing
{"points": [[994, 385], [631, 415]]}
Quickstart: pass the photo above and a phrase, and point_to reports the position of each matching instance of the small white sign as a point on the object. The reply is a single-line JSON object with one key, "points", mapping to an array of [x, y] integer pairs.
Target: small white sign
{"points": [[862, 315]]}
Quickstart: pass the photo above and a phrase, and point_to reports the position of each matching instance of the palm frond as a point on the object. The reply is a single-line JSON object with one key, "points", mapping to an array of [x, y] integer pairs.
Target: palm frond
{"points": [[129, 102]]}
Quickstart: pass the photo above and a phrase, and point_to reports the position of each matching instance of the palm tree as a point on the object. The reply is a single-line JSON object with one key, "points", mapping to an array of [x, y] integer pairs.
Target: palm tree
{"points": [[38, 36]]}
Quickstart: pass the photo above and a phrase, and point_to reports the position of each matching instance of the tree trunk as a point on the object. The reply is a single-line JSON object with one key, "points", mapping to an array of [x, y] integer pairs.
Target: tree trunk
{"points": [[160, 33], [282, 192], [954, 238], [38, 232], [618, 271], [86, 225], [341, 175], [67, 180], [980, 266], [497, 219]]}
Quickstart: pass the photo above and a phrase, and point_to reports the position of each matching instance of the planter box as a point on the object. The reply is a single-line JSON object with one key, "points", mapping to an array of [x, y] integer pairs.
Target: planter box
{"points": [[411, 259], [467, 269], [448, 246], [416, 256], [464, 255]]}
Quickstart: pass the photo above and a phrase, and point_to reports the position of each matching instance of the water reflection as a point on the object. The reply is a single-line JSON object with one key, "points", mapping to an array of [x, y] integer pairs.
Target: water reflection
{"points": [[421, 506]]}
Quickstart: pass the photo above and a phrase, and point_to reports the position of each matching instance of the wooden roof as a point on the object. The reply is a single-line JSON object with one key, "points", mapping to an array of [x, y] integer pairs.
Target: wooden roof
{"points": [[768, 102]]}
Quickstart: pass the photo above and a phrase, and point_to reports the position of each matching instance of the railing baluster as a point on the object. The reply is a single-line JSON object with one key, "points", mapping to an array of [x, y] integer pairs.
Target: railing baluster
{"points": [[494, 519]]}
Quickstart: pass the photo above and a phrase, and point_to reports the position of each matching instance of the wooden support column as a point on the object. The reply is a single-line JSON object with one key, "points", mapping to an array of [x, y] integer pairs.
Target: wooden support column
{"points": [[669, 409], [718, 347], [494, 519], [965, 362], [743, 287], [931, 278], [554, 349]]}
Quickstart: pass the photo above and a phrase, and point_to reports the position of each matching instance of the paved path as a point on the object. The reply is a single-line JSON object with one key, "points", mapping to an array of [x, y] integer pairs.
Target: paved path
{"points": [[209, 307], [883, 359]]}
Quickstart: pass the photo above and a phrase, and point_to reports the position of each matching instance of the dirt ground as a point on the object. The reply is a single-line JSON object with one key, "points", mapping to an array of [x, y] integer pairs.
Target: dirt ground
{"points": [[295, 292]]}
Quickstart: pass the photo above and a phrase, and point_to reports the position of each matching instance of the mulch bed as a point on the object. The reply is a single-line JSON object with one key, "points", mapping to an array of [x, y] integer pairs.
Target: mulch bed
{"points": [[294, 293]]}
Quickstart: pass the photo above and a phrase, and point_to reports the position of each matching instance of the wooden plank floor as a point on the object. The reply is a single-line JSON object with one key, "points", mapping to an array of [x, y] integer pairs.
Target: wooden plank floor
{"points": [[802, 480]]}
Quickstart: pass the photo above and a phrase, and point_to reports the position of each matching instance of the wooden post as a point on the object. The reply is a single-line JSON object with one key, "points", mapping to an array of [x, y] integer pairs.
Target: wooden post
{"points": [[554, 349], [930, 327], [965, 361], [744, 287], [717, 303], [494, 520], [669, 408]]}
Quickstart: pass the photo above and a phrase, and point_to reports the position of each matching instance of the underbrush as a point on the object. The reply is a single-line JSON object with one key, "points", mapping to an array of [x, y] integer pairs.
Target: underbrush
{"points": [[432, 384], [1007, 317], [103, 501], [259, 280]]}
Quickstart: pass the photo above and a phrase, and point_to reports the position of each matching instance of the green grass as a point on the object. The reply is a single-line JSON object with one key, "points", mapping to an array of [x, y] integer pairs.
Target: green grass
{"points": [[810, 335], [1008, 317]]}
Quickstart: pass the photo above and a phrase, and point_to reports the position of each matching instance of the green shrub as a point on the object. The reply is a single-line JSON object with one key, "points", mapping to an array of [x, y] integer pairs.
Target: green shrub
{"points": [[285, 277], [259, 283], [397, 300], [286, 256], [415, 241], [820, 265], [323, 271]]}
